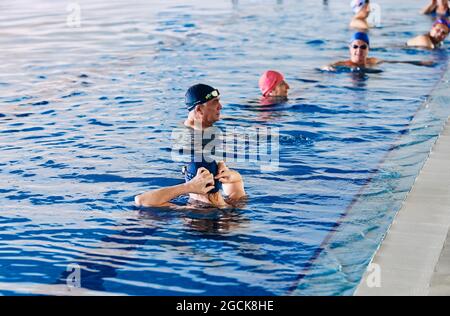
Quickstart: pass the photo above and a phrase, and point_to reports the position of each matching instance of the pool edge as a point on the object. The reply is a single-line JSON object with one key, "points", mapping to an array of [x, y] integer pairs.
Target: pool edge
{"points": [[405, 262]]}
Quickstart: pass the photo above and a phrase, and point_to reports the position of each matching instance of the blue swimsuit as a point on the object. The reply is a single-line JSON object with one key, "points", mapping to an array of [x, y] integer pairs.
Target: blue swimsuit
{"points": [[434, 14]]}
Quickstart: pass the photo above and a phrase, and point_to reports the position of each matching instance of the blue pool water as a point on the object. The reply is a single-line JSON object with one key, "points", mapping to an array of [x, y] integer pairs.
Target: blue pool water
{"points": [[85, 122]]}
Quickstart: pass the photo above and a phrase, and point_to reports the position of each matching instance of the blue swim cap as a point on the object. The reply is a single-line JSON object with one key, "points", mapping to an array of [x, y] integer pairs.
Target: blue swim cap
{"points": [[198, 94], [190, 171], [360, 36]]}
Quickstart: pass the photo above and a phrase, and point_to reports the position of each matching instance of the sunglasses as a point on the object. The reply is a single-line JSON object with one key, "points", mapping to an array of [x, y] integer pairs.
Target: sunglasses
{"points": [[364, 46], [212, 94]]}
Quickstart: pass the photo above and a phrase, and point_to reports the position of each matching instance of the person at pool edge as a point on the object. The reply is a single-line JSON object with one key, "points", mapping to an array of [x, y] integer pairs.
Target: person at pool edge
{"points": [[434, 39], [437, 8], [273, 85], [204, 179], [361, 9]]}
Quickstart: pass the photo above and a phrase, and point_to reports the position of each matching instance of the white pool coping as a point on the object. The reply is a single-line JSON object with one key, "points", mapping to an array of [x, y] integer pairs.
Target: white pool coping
{"points": [[414, 257]]}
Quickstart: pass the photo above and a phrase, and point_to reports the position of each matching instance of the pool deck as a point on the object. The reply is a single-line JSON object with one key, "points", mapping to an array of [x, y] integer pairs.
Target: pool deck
{"points": [[414, 257]]}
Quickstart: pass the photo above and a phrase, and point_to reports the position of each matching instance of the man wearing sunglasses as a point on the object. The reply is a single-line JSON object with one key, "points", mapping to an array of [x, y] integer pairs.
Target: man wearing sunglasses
{"points": [[359, 51], [434, 38], [359, 60]]}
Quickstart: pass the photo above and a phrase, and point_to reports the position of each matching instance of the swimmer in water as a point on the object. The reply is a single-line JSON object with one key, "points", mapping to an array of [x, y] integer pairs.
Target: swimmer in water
{"points": [[273, 86], [203, 103], [437, 8], [434, 38], [359, 51], [203, 182], [359, 60], [204, 179], [361, 9]]}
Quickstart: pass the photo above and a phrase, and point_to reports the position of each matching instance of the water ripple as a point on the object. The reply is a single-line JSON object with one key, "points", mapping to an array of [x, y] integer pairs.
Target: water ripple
{"points": [[86, 126]]}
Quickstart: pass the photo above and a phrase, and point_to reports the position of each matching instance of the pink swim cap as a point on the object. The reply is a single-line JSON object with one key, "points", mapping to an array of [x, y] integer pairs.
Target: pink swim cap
{"points": [[269, 80]]}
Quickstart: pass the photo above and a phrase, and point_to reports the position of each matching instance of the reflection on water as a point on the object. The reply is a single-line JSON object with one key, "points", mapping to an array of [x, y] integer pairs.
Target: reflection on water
{"points": [[209, 221]]}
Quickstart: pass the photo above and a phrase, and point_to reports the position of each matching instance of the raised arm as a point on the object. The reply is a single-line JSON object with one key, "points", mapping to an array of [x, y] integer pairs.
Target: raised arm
{"points": [[430, 7], [232, 182], [202, 183], [161, 197]]}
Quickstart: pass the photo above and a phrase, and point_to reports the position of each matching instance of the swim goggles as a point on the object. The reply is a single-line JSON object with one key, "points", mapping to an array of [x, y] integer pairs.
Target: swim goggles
{"points": [[213, 94]]}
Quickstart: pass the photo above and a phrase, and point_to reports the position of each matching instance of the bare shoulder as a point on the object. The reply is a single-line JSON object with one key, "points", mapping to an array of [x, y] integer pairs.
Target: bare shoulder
{"points": [[372, 61], [347, 63], [332, 67], [359, 24], [240, 202], [341, 63], [421, 40]]}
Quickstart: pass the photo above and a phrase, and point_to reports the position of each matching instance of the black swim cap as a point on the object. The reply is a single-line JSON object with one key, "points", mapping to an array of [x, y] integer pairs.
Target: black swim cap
{"points": [[190, 171], [198, 94]]}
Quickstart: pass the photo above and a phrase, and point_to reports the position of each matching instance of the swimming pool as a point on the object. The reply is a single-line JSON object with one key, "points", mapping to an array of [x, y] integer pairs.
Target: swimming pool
{"points": [[85, 122]]}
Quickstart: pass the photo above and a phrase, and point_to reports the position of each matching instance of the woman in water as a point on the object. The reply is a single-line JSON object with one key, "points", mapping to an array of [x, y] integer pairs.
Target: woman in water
{"points": [[437, 8], [359, 56], [359, 52], [203, 181], [273, 85], [434, 38], [361, 9]]}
